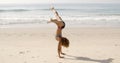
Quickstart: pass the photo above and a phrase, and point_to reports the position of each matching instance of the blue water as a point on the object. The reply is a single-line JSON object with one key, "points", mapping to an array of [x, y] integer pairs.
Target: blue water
{"points": [[80, 15]]}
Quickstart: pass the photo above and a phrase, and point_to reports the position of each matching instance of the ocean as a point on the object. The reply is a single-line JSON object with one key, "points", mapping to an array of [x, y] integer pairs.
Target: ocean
{"points": [[74, 15]]}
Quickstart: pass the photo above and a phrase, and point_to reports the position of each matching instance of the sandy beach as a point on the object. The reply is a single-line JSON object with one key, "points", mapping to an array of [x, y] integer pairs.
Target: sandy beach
{"points": [[38, 45]]}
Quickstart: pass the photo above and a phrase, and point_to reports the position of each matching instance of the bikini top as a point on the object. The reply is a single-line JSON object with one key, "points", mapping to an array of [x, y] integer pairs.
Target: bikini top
{"points": [[63, 25]]}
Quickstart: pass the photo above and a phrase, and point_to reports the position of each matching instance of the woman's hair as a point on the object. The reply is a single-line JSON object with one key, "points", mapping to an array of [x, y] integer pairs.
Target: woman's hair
{"points": [[65, 42]]}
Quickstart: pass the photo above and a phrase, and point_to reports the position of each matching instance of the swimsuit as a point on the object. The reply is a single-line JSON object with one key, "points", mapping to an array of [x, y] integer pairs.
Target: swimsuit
{"points": [[63, 25], [58, 35]]}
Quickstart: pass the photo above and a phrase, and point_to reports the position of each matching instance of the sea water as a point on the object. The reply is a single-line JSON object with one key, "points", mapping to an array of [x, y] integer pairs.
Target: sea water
{"points": [[74, 15]]}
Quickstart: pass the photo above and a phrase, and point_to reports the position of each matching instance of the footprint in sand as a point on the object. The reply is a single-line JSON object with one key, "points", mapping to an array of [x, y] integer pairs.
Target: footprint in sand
{"points": [[22, 52], [25, 62]]}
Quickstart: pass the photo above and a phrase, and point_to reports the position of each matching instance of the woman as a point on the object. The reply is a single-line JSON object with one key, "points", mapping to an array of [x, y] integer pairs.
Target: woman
{"points": [[60, 24]]}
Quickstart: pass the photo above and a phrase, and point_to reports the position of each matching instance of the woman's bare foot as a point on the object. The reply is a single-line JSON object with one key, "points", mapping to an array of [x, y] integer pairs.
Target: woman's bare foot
{"points": [[52, 8], [61, 57]]}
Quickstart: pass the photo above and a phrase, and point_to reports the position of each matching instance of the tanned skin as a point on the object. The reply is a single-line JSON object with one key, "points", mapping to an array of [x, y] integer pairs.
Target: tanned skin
{"points": [[59, 22]]}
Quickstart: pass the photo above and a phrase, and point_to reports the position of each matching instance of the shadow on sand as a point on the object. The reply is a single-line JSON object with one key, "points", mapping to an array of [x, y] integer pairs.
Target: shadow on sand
{"points": [[109, 60]]}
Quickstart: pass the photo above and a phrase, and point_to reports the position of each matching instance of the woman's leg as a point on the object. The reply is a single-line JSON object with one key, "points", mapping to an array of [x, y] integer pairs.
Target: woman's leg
{"points": [[56, 14]]}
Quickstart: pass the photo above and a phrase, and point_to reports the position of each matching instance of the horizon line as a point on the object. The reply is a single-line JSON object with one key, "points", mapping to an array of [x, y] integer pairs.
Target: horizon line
{"points": [[66, 3]]}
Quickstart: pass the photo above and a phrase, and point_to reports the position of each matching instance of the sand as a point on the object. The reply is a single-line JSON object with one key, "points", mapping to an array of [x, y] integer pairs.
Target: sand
{"points": [[38, 45]]}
